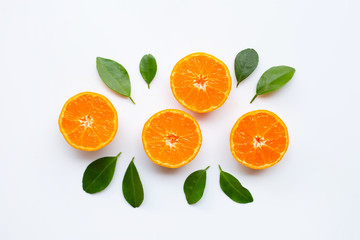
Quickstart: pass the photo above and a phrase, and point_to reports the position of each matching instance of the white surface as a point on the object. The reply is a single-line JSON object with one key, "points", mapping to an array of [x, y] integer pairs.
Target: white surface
{"points": [[47, 55]]}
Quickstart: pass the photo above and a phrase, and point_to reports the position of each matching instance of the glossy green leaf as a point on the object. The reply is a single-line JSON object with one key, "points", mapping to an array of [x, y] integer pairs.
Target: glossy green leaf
{"points": [[132, 187], [233, 188], [99, 174], [148, 68], [194, 186], [273, 79], [245, 63], [115, 76]]}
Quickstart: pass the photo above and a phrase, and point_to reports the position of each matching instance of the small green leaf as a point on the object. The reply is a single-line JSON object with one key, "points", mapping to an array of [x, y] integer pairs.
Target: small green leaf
{"points": [[245, 63], [148, 68], [99, 174], [194, 186], [132, 187], [115, 76], [233, 188], [273, 79]]}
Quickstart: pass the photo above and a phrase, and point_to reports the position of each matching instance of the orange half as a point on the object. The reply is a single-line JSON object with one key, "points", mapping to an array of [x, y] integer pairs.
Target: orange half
{"points": [[259, 139], [171, 138], [88, 121], [200, 82]]}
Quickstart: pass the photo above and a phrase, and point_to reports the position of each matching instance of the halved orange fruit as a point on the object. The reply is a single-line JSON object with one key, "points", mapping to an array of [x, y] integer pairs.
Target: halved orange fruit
{"points": [[88, 121], [200, 82], [171, 138], [259, 139]]}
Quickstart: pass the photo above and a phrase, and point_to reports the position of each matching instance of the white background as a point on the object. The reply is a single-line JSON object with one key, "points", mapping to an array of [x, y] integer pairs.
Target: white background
{"points": [[47, 55]]}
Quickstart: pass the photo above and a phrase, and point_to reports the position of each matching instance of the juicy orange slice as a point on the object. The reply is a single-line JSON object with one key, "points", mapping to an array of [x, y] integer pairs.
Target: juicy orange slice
{"points": [[259, 139], [200, 82], [171, 138], [88, 121]]}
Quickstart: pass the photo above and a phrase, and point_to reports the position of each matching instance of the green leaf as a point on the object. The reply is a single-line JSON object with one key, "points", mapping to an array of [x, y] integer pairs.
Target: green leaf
{"points": [[132, 187], [115, 76], [233, 188], [148, 68], [273, 79], [194, 186], [245, 63], [99, 174]]}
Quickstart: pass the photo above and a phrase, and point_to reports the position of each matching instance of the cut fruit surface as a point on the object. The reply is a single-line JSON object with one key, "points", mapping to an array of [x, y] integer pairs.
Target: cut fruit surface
{"points": [[259, 139], [88, 121], [171, 138], [200, 82]]}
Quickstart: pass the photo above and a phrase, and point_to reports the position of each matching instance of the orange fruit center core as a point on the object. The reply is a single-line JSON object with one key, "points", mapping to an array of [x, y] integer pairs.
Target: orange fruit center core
{"points": [[86, 121], [171, 140], [259, 141], [201, 82]]}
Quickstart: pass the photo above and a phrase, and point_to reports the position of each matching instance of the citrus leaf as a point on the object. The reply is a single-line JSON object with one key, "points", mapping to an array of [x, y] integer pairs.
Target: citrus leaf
{"points": [[233, 188], [273, 79], [115, 76], [194, 186], [99, 174], [148, 68], [132, 187], [245, 63]]}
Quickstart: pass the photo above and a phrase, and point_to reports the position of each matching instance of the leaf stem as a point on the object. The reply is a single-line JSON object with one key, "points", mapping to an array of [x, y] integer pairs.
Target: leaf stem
{"points": [[220, 168], [132, 100], [253, 98], [207, 168], [118, 155], [132, 159], [148, 85], [237, 84]]}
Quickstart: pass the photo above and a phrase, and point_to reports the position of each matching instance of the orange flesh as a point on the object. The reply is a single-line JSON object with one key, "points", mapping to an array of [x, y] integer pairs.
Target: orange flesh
{"points": [[259, 139], [88, 121], [171, 138], [200, 82]]}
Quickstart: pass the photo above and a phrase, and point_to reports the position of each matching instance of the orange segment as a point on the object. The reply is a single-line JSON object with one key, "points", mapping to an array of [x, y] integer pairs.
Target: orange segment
{"points": [[259, 139], [200, 82], [88, 121], [171, 138]]}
